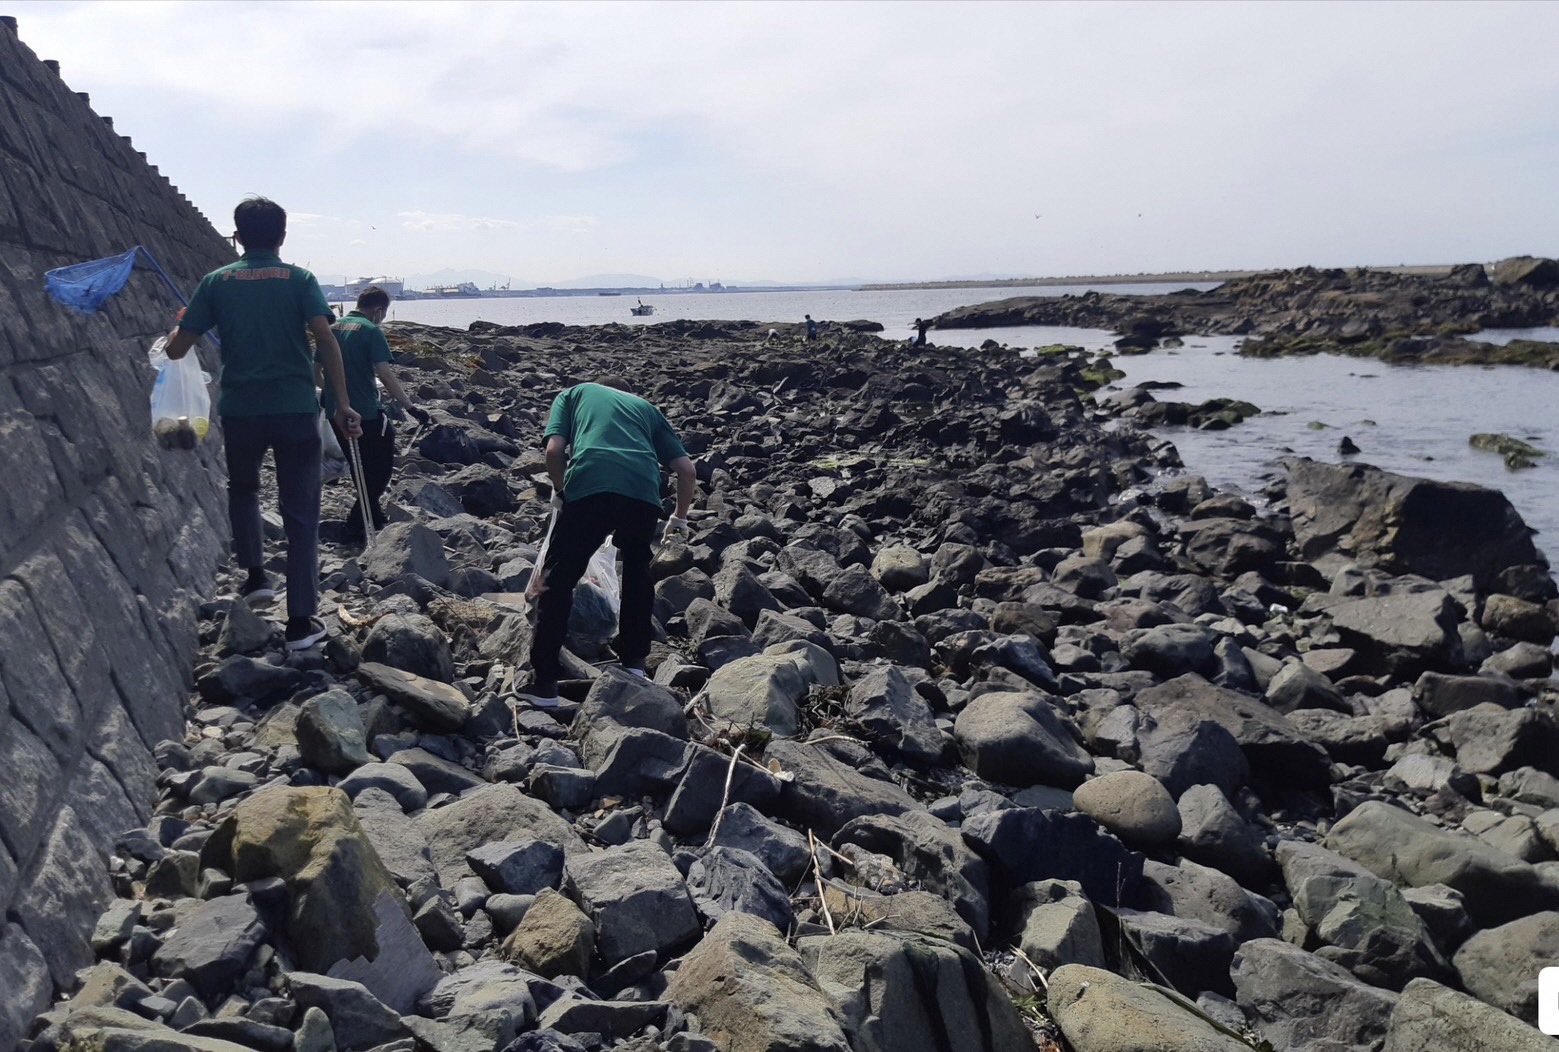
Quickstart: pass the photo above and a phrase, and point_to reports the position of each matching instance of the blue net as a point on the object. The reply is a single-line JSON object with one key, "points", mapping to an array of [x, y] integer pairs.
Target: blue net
{"points": [[87, 286]]}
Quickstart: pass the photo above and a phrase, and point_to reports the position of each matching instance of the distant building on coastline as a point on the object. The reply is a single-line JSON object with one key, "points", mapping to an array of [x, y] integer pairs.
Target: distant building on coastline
{"points": [[394, 286]]}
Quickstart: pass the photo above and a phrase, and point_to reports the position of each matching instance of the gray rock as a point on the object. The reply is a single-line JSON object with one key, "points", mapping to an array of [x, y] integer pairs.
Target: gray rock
{"points": [[752, 993], [518, 867], [1298, 686], [701, 790], [330, 733], [1429, 1015], [1192, 954], [901, 568], [1369, 928], [393, 778], [216, 784], [403, 548], [926, 995], [1132, 805], [411, 643], [1057, 925], [1098, 1011], [432, 705], [630, 701], [244, 632], [493, 812], [211, 947], [553, 938], [636, 899], [1439, 694], [725, 880], [396, 838], [1519, 661], [315, 1033], [855, 591], [1401, 634], [760, 691], [1491, 740], [1169, 650], [740, 592], [1076, 849], [1275, 749], [894, 713], [1213, 833], [1208, 895], [613, 1020], [247, 680], [1407, 850], [436, 774], [1306, 1004], [1443, 912], [783, 850], [358, 1019], [633, 761], [1500, 966], [931, 854], [707, 621], [1182, 748], [824, 793], [1018, 739]]}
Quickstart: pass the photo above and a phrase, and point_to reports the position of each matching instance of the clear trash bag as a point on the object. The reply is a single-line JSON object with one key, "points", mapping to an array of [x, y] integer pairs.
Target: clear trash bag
{"points": [[180, 403], [332, 461], [592, 621]]}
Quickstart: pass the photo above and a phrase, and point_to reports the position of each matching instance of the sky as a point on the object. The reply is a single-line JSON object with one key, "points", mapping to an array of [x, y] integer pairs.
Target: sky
{"points": [[811, 142]]}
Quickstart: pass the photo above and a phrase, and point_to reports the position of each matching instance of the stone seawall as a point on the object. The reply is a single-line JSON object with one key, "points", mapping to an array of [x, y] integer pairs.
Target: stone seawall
{"points": [[105, 540]]}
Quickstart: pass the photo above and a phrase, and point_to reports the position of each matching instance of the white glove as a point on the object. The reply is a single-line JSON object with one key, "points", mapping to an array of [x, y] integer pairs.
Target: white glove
{"points": [[557, 502], [676, 529]]}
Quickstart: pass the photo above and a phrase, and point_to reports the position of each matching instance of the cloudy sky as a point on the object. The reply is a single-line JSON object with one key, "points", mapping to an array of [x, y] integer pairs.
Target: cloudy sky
{"points": [[813, 141]]}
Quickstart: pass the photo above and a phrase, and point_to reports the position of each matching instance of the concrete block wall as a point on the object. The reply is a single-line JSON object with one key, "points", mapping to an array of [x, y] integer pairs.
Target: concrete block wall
{"points": [[106, 541]]}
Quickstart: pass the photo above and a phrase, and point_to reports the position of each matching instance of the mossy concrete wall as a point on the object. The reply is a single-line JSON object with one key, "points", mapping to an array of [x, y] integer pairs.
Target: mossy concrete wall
{"points": [[106, 541]]}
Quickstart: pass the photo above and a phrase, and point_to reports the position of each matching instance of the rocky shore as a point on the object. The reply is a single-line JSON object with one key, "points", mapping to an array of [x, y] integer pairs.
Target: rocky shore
{"points": [[974, 725], [1396, 317]]}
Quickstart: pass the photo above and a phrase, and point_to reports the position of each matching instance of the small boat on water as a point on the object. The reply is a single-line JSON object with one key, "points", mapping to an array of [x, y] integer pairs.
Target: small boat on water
{"points": [[643, 310]]}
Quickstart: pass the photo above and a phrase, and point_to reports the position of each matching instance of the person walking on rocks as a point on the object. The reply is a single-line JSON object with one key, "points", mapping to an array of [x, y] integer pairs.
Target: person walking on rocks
{"points": [[365, 355], [263, 310], [921, 325], [811, 328], [605, 449]]}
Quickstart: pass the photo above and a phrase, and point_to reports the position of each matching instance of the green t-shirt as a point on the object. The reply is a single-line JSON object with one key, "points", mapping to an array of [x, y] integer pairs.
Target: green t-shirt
{"points": [[619, 443], [363, 346], [261, 308]]}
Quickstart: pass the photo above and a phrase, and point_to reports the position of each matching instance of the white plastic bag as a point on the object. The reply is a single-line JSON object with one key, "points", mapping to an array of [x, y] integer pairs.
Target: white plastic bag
{"points": [[602, 575], [332, 462], [180, 404], [533, 587]]}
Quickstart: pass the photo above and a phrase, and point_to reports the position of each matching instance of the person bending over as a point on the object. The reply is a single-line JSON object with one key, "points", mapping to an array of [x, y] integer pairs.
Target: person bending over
{"points": [[365, 355], [263, 310], [605, 449]]}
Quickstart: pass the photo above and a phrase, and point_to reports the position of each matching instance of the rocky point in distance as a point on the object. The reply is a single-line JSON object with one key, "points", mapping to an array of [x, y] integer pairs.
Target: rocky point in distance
{"points": [[1394, 316], [975, 724]]}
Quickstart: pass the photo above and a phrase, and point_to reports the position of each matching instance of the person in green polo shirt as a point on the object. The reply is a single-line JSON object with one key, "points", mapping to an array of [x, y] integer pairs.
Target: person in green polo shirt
{"points": [[263, 311], [365, 355], [605, 449]]}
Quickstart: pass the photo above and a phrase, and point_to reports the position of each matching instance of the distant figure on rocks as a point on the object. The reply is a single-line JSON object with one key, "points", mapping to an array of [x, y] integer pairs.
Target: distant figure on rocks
{"points": [[605, 449], [921, 325], [263, 310], [811, 328], [365, 355]]}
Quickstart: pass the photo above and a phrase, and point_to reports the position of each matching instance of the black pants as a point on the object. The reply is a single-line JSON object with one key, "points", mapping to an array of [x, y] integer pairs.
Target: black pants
{"points": [[376, 447], [294, 439], [581, 528]]}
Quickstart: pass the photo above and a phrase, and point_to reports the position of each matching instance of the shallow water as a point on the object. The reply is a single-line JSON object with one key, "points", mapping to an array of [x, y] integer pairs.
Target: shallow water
{"points": [[1411, 419]]}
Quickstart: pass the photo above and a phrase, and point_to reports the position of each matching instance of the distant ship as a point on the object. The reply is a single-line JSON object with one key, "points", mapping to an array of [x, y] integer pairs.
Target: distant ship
{"points": [[608, 293], [464, 290], [643, 310]]}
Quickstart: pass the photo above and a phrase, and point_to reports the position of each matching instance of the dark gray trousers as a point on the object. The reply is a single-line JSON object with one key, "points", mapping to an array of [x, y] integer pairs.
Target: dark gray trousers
{"points": [[293, 438]]}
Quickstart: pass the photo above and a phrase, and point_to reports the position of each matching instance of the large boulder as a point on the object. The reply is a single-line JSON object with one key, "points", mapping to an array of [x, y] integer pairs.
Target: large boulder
{"points": [[311, 839], [1057, 925], [1431, 1016], [1019, 739], [761, 691], [919, 994], [752, 993], [331, 737], [482, 816], [635, 898], [823, 793], [212, 945], [1500, 966], [1275, 748], [1401, 634], [1025, 844], [403, 548], [1098, 1011], [631, 701], [412, 643], [888, 706], [1306, 1004], [927, 851], [553, 938], [1407, 850], [1134, 806], [1437, 530], [432, 705]]}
